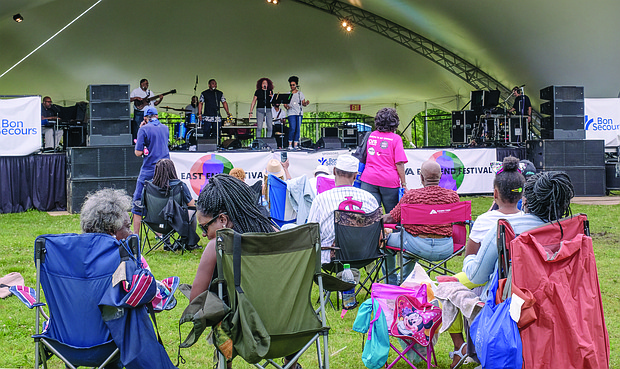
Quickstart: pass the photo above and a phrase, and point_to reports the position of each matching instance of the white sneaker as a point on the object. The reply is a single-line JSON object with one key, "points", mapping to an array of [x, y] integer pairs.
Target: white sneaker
{"points": [[290, 148]]}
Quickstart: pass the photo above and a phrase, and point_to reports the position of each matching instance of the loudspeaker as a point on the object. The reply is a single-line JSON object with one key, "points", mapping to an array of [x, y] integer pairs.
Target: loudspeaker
{"points": [[78, 189], [109, 127], [99, 93], [562, 93], [612, 174], [107, 140], [563, 122], [264, 143], [231, 144], [102, 162], [569, 134], [329, 131], [566, 153], [206, 144], [329, 143], [462, 123], [587, 181], [518, 130], [559, 108], [73, 136], [109, 110], [306, 143]]}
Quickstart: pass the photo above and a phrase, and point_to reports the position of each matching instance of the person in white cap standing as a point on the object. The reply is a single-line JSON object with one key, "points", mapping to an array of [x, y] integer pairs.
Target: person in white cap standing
{"points": [[342, 197], [152, 145]]}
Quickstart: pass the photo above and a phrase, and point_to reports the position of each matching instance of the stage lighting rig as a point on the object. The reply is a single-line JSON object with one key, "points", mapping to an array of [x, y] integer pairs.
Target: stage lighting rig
{"points": [[346, 25], [18, 18], [274, 2]]}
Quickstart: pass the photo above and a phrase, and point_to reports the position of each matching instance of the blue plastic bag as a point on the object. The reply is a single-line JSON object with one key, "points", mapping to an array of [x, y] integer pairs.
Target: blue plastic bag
{"points": [[495, 335]]}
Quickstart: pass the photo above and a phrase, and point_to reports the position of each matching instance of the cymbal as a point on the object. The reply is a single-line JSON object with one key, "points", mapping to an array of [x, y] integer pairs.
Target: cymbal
{"points": [[171, 108]]}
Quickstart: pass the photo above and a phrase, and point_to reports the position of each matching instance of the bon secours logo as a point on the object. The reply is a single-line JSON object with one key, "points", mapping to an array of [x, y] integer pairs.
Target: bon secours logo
{"points": [[601, 124], [327, 161], [205, 168], [15, 128]]}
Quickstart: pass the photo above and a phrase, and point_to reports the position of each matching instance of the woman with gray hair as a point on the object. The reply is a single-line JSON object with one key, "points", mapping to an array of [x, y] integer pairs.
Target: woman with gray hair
{"points": [[107, 211]]}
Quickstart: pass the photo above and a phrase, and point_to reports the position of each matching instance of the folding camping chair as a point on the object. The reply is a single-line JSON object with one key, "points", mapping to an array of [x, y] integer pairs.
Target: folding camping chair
{"points": [[411, 318], [357, 242], [165, 212], [556, 257], [277, 200], [274, 272], [459, 214]]}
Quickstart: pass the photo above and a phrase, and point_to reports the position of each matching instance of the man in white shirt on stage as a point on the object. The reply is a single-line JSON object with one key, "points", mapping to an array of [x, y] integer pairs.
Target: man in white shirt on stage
{"points": [[142, 98], [343, 197]]}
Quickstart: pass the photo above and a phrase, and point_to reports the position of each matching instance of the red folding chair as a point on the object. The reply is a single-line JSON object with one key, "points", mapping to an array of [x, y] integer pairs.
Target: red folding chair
{"points": [[459, 214]]}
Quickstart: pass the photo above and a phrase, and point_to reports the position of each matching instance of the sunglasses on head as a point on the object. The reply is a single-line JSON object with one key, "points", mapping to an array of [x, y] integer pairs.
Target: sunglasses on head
{"points": [[204, 227]]}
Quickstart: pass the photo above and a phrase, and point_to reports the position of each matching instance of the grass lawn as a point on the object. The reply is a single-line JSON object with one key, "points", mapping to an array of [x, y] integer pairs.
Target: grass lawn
{"points": [[18, 231]]}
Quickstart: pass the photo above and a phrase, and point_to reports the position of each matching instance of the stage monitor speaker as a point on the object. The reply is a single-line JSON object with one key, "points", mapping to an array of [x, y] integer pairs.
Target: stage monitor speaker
{"points": [[566, 153], [99, 93], [206, 145], [109, 127], [109, 110], [78, 189], [556, 93], [73, 136], [462, 123], [559, 108], [329, 143], [231, 144], [264, 143], [102, 162], [329, 131], [306, 143]]}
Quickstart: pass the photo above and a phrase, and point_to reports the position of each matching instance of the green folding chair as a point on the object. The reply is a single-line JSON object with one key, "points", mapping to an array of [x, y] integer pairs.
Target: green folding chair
{"points": [[268, 277]]}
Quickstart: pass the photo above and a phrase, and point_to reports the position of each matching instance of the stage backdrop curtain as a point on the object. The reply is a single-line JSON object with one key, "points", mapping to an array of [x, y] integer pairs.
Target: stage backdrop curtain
{"points": [[34, 181]]}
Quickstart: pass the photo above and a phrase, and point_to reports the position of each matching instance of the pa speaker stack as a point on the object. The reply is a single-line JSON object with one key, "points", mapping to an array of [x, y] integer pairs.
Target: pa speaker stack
{"points": [[462, 123], [565, 110], [108, 115], [582, 160]]}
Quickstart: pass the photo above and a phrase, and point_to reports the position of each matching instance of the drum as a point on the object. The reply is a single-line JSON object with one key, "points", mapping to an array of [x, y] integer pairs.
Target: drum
{"points": [[190, 138]]}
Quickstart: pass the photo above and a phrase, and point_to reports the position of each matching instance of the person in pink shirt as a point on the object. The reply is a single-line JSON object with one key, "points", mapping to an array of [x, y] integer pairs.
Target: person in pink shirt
{"points": [[384, 173]]}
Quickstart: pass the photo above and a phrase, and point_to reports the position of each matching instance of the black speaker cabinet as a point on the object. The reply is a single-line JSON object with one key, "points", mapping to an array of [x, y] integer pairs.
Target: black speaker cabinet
{"points": [[264, 143], [109, 127], [462, 123], [231, 144], [206, 145], [305, 143], [566, 153], [556, 93], [558, 108], [329, 143], [74, 136], [587, 181], [99, 93], [563, 122], [102, 162], [109, 110], [78, 189], [329, 131], [518, 130], [612, 174]]}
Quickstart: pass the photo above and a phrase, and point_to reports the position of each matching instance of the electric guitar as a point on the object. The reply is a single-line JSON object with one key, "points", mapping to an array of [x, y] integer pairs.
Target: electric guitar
{"points": [[141, 103]]}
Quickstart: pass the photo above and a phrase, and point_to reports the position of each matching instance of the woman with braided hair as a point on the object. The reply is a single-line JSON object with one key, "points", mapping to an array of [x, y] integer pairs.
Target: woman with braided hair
{"points": [[224, 202]]}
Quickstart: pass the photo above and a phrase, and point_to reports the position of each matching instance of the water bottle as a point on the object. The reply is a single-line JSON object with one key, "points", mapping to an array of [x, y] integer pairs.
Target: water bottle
{"points": [[348, 297]]}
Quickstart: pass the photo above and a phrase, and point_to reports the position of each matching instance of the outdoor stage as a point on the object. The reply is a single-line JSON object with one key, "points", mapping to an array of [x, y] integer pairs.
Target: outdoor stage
{"points": [[41, 181]]}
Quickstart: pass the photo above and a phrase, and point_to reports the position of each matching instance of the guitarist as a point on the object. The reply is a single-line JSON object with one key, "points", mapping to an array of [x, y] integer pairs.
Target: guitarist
{"points": [[139, 97]]}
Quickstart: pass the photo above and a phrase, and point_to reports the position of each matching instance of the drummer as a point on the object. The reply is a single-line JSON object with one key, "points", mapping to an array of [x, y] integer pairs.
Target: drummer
{"points": [[192, 108]]}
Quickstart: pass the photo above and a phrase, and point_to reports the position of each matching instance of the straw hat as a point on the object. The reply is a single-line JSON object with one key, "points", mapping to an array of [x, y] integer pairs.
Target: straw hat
{"points": [[274, 167]]}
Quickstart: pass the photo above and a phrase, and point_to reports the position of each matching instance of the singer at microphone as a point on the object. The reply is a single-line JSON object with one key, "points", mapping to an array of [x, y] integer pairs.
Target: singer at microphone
{"points": [[522, 105]]}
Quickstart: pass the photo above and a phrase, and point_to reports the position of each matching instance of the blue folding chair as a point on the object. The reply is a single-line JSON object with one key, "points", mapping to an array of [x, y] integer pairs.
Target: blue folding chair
{"points": [[277, 200], [75, 271]]}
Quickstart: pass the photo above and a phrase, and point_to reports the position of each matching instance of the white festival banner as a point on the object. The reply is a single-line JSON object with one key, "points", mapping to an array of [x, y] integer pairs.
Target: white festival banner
{"points": [[20, 126], [467, 171], [602, 120]]}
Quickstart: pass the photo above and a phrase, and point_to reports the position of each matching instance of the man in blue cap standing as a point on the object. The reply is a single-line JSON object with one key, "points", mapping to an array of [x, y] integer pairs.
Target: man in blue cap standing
{"points": [[152, 145]]}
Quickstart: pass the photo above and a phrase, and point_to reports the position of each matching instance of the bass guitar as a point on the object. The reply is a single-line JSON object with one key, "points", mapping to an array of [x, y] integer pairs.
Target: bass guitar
{"points": [[141, 103]]}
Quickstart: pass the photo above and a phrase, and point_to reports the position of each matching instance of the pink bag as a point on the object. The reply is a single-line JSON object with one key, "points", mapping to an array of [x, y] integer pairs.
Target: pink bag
{"points": [[414, 319]]}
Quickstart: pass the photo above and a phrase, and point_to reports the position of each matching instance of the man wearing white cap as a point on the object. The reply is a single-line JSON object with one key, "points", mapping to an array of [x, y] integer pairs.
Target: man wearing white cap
{"points": [[320, 170], [343, 197], [152, 145]]}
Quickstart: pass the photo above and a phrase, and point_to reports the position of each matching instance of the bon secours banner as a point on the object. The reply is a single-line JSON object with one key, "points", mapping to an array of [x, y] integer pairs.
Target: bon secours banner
{"points": [[602, 120], [465, 170], [20, 126]]}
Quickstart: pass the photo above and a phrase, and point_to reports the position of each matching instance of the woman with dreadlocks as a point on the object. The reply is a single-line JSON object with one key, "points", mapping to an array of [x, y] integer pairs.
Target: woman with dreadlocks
{"points": [[224, 202], [546, 198]]}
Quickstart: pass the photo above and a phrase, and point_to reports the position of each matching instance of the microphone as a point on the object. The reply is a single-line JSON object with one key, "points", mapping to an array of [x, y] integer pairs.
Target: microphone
{"points": [[521, 86]]}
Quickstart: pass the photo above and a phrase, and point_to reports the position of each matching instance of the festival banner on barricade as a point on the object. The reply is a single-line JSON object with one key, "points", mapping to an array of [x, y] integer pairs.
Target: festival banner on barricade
{"points": [[602, 120], [465, 170], [20, 126]]}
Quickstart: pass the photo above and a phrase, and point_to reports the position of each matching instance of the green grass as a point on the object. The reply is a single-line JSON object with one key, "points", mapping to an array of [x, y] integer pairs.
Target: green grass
{"points": [[18, 231]]}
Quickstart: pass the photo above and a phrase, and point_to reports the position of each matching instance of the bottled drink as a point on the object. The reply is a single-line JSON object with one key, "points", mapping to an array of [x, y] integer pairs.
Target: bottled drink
{"points": [[348, 297]]}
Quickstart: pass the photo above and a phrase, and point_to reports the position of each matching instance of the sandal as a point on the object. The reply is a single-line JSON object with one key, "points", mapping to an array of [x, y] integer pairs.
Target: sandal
{"points": [[460, 354]]}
